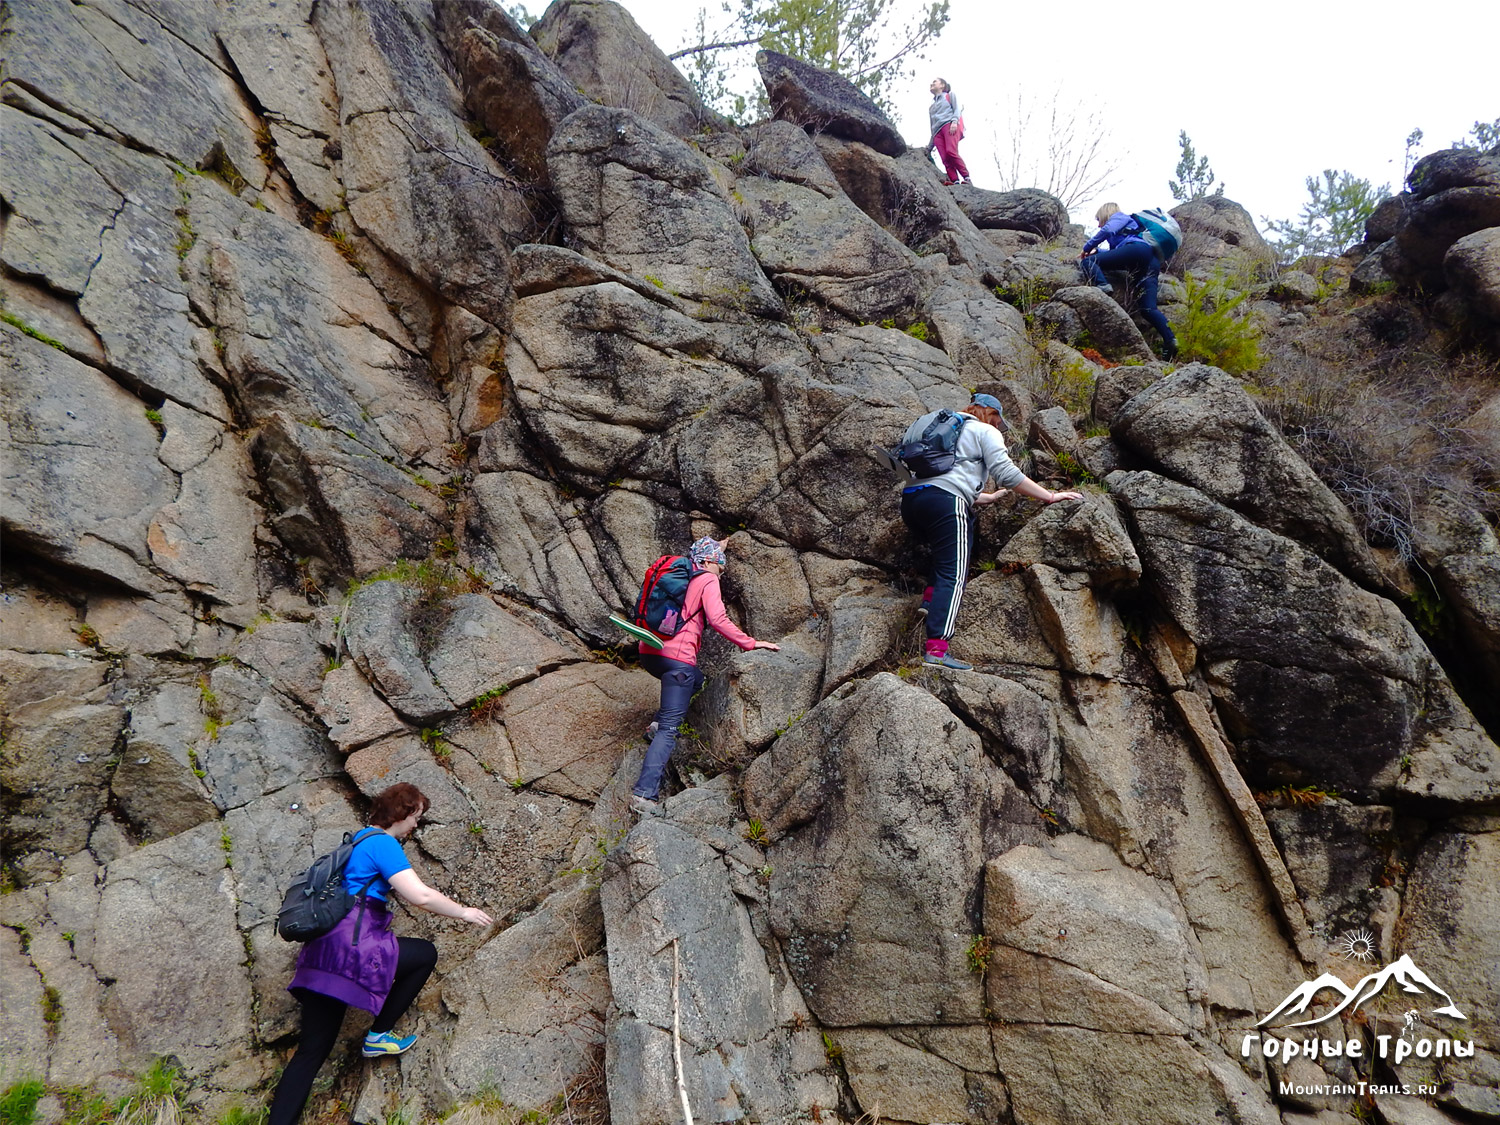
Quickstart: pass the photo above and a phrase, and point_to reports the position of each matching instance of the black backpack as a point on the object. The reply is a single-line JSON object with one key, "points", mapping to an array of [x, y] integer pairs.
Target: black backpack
{"points": [[932, 452], [316, 901]]}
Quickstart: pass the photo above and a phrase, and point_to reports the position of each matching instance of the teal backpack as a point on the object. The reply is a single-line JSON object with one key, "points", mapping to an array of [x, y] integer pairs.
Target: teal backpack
{"points": [[1161, 231]]}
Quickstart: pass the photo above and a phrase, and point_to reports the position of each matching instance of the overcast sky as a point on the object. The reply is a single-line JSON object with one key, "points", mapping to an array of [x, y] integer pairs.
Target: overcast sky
{"points": [[1270, 93]]}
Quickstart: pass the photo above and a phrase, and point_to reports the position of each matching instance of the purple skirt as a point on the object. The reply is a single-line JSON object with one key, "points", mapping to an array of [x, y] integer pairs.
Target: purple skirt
{"points": [[358, 973]]}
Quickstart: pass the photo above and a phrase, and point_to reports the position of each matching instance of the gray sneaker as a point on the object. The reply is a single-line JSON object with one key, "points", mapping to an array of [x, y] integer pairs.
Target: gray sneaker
{"points": [[947, 661], [644, 806], [651, 731]]}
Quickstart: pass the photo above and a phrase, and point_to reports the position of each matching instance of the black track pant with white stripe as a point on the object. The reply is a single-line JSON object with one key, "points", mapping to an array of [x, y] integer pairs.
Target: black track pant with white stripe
{"points": [[944, 524]]}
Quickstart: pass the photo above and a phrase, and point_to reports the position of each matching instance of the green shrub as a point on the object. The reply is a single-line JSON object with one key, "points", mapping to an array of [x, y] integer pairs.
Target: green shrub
{"points": [[18, 1101], [1215, 327]]}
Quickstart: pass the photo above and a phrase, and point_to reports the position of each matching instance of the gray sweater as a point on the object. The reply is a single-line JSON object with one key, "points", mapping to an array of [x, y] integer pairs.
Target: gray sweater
{"points": [[981, 456], [944, 108]]}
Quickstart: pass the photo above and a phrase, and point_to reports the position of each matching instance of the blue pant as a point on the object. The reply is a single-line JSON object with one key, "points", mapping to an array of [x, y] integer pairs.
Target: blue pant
{"points": [[679, 683], [944, 523], [1137, 259]]}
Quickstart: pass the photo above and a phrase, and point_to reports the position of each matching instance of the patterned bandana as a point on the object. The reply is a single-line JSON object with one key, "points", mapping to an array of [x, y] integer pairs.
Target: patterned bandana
{"points": [[707, 550]]}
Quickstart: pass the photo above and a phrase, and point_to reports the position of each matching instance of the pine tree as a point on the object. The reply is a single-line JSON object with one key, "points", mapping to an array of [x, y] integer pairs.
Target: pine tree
{"points": [[1194, 176]]}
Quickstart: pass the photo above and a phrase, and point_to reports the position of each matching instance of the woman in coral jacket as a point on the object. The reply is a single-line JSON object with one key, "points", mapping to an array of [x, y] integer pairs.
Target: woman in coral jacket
{"points": [[675, 664]]}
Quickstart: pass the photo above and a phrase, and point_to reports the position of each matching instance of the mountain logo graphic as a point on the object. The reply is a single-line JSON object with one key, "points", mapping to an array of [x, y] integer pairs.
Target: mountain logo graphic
{"points": [[1403, 971]]}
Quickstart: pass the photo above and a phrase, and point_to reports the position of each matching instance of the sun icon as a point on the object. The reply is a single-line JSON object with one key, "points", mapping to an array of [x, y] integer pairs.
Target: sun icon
{"points": [[1357, 945]]}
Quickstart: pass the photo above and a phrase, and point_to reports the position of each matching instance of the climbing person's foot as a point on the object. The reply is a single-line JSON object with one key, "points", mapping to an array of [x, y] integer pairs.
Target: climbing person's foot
{"points": [[651, 730], [379, 1043], [943, 660], [643, 806], [1169, 352]]}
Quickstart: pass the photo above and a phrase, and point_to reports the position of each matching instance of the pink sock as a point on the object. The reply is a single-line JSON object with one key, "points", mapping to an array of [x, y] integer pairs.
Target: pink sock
{"points": [[927, 594], [936, 646]]}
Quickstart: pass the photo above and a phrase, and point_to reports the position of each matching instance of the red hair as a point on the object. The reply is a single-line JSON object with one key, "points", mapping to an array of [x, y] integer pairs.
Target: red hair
{"points": [[397, 803]]}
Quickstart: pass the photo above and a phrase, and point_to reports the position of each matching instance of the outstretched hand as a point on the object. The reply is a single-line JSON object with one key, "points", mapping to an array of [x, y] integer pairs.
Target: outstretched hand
{"points": [[1056, 496], [990, 497], [476, 917], [767, 645]]}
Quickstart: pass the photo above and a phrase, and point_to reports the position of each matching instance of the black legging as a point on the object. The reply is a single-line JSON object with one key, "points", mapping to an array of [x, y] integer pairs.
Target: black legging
{"points": [[322, 1016]]}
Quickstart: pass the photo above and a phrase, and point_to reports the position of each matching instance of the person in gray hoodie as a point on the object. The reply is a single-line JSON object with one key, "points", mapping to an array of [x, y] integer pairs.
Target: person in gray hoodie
{"points": [[946, 118], [939, 511]]}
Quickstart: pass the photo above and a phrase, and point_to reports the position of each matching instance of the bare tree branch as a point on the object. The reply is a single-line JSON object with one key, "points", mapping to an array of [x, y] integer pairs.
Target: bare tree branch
{"points": [[700, 48]]}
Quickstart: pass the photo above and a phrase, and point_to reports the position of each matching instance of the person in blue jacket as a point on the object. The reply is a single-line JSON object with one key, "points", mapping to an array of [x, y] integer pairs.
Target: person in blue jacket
{"points": [[1130, 253], [360, 962]]}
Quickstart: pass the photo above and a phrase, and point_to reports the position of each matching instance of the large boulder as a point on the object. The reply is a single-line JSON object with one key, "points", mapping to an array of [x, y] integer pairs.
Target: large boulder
{"points": [[1453, 168], [823, 244], [674, 898], [531, 1004], [1471, 267], [1432, 225], [1202, 428], [821, 101], [905, 196], [336, 500], [876, 806], [639, 199], [83, 480], [424, 190], [1028, 209], [1086, 313], [156, 76], [517, 95], [1319, 683], [1219, 234], [607, 56]]}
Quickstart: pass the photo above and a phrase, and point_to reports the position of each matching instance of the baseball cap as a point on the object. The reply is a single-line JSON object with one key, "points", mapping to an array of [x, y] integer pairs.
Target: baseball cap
{"points": [[990, 401]]}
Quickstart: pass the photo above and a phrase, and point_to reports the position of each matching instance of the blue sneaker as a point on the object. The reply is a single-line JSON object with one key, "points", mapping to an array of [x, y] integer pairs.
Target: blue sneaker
{"points": [[379, 1043], [947, 661]]}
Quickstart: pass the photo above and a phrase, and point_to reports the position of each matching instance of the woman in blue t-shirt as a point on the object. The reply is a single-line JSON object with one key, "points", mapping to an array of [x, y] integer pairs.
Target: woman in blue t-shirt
{"points": [[360, 961]]}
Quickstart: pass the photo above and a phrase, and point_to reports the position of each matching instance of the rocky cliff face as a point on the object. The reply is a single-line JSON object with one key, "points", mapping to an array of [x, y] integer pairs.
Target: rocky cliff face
{"points": [[359, 356]]}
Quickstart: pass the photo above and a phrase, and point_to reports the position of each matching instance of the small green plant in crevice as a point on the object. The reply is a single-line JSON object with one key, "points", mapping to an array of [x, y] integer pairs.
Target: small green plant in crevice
{"points": [[1429, 611], [155, 1098], [487, 704], [88, 636], [832, 1051], [241, 1115], [20, 325], [52, 1009], [1214, 326], [192, 756], [213, 710], [654, 280], [226, 842], [516, 784], [1076, 473], [978, 954], [1070, 386], [18, 1101], [83, 1105], [476, 828], [441, 749], [755, 830]]}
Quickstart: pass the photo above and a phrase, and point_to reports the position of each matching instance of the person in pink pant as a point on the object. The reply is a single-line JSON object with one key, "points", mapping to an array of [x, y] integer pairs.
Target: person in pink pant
{"points": [[946, 119], [675, 664]]}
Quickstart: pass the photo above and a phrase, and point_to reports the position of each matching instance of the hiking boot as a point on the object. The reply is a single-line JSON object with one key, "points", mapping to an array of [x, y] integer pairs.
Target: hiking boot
{"points": [[932, 660], [651, 731], [644, 806], [1169, 352], [379, 1043]]}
